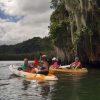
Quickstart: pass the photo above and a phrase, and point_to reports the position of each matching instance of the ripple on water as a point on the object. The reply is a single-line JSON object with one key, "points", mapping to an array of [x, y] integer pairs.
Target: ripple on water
{"points": [[68, 87]]}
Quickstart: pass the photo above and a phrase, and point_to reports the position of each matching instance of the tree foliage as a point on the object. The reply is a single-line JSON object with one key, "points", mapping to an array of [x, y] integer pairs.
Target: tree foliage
{"points": [[31, 49], [77, 24]]}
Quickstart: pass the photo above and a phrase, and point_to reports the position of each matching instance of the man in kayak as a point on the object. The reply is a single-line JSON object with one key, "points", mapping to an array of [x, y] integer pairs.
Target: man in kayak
{"points": [[26, 66], [45, 66], [76, 64]]}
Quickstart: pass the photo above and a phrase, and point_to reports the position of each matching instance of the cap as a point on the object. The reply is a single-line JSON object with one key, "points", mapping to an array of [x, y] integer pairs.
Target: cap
{"points": [[54, 58], [76, 58]]}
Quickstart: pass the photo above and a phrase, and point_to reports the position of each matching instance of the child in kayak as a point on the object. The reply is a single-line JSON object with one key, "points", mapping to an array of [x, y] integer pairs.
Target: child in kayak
{"points": [[76, 64]]}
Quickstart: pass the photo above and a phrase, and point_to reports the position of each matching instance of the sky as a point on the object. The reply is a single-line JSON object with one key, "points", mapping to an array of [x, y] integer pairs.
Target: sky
{"points": [[21, 20]]}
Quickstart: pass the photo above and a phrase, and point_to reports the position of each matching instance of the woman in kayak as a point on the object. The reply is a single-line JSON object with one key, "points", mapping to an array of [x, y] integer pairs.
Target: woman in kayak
{"points": [[55, 64], [45, 66], [76, 64]]}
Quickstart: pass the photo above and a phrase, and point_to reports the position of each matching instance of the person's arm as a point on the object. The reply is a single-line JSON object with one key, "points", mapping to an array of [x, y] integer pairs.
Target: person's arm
{"points": [[79, 64], [71, 65]]}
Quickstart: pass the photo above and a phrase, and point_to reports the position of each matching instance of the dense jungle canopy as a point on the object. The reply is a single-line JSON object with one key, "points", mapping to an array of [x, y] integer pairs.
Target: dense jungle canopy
{"points": [[75, 29]]}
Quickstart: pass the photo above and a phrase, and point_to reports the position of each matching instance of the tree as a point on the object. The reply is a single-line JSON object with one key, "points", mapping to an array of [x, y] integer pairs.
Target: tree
{"points": [[83, 25]]}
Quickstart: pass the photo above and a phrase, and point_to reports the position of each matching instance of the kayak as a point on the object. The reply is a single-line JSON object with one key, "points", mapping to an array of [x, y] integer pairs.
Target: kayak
{"points": [[31, 76], [63, 70]]}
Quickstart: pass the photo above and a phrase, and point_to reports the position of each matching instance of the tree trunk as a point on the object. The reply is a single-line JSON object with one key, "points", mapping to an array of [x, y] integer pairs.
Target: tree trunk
{"points": [[82, 13]]}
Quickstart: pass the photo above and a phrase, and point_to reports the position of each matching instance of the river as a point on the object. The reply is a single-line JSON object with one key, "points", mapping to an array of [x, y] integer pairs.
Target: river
{"points": [[68, 87]]}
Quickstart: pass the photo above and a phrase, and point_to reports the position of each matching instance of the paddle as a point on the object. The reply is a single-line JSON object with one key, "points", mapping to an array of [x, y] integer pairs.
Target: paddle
{"points": [[64, 67]]}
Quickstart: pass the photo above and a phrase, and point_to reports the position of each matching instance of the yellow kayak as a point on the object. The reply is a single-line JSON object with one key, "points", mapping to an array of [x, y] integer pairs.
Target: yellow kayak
{"points": [[31, 76], [83, 70]]}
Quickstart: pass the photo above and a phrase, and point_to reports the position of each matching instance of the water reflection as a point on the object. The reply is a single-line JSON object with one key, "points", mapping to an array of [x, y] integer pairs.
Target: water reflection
{"points": [[68, 87], [47, 88], [12, 76], [25, 84], [75, 79]]}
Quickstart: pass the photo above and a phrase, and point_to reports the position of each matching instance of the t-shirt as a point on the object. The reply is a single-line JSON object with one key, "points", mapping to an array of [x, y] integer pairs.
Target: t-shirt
{"points": [[36, 63], [24, 67]]}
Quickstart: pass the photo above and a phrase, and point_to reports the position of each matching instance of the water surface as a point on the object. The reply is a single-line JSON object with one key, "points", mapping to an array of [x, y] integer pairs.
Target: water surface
{"points": [[68, 87]]}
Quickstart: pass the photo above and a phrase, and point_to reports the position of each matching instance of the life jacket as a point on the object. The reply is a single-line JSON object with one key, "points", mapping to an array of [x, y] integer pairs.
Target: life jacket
{"points": [[75, 63], [24, 67], [55, 65]]}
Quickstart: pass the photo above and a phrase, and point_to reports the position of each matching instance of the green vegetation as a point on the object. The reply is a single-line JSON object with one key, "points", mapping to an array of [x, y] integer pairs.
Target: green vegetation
{"points": [[31, 49], [75, 28]]}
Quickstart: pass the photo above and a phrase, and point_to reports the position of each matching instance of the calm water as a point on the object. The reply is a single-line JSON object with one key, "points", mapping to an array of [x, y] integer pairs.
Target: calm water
{"points": [[68, 87]]}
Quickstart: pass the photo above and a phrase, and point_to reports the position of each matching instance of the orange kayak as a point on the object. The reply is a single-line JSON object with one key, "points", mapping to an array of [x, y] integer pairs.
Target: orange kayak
{"points": [[31, 76]]}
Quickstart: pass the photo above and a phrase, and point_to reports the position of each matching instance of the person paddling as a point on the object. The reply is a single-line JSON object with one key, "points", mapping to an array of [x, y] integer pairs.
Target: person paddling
{"points": [[76, 64]]}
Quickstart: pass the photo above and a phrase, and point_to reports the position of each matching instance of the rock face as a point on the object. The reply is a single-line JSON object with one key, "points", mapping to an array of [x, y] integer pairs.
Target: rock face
{"points": [[82, 21]]}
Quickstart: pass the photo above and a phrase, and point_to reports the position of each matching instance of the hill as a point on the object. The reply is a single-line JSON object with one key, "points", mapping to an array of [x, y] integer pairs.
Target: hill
{"points": [[30, 48]]}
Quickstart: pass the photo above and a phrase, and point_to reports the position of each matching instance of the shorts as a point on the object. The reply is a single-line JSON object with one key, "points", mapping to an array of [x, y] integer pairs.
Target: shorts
{"points": [[44, 73]]}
